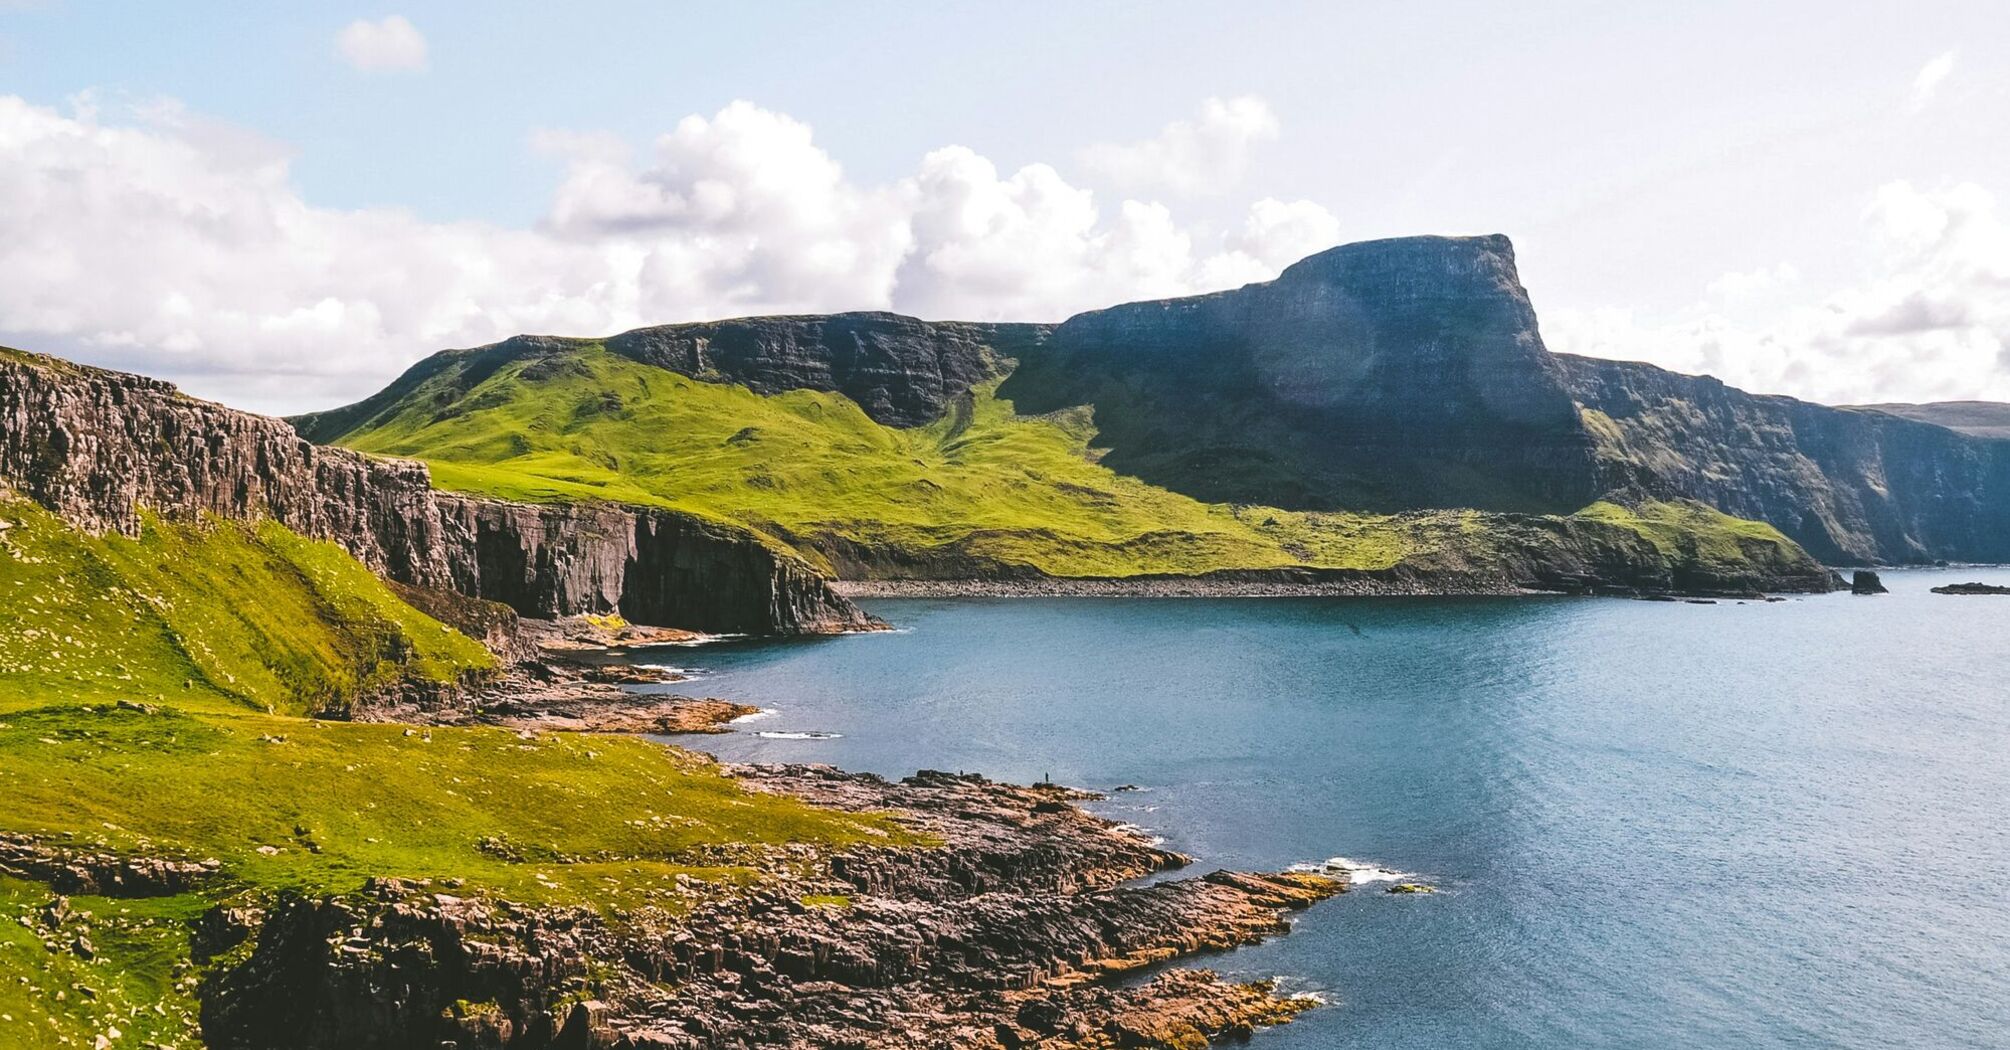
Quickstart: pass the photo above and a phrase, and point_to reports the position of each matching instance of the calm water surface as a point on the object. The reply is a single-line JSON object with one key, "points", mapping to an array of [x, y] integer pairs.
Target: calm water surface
{"points": [[1735, 825]]}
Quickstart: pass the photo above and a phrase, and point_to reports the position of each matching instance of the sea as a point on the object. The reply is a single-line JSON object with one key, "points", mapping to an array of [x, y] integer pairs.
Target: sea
{"points": [[1745, 824]]}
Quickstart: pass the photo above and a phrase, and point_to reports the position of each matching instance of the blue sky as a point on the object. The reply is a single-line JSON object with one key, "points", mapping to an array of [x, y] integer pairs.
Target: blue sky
{"points": [[1802, 197]]}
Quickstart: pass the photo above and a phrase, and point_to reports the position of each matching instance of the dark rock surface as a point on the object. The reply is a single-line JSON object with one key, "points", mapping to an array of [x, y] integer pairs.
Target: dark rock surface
{"points": [[102, 449], [1864, 581], [1385, 375], [1005, 935], [1971, 588], [1851, 486], [86, 871], [902, 371]]}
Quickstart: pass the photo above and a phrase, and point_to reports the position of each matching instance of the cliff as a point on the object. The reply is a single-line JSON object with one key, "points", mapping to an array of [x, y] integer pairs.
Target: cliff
{"points": [[101, 448], [1386, 375], [1851, 486], [1389, 376], [901, 371]]}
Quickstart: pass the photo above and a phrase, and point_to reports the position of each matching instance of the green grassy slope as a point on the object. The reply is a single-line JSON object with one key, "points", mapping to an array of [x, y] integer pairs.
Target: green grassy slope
{"points": [[980, 489], [213, 615], [220, 636]]}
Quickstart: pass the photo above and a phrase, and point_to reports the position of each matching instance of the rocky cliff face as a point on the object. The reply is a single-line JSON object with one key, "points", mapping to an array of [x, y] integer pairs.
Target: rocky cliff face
{"points": [[1385, 375], [1851, 486], [103, 448], [902, 371], [1388, 375]]}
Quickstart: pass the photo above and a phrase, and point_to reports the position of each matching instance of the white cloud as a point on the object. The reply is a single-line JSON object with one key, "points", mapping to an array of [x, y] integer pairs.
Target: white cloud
{"points": [[1275, 235], [1207, 154], [1928, 320], [1743, 285], [160, 242], [1927, 82], [391, 44]]}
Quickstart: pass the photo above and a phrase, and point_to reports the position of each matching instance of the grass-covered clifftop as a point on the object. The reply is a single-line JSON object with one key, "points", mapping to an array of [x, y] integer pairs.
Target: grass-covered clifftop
{"points": [[981, 491], [152, 700], [211, 615]]}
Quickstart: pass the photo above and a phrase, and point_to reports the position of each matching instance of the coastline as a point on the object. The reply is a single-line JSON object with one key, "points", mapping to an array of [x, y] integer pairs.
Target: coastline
{"points": [[1293, 585], [1175, 587]]}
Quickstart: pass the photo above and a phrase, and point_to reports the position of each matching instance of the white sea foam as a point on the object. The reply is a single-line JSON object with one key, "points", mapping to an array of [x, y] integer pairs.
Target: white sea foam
{"points": [[1144, 833], [762, 713], [1286, 986], [799, 735], [1355, 871], [687, 672]]}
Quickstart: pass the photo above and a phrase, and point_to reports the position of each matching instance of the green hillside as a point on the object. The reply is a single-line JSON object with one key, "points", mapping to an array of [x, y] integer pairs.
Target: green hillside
{"points": [[978, 491], [151, 694]]}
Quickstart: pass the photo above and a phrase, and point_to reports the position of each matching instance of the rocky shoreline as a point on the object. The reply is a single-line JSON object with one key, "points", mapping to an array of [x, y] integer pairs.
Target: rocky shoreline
{"points": [[1004, 932], [1281, 585]]}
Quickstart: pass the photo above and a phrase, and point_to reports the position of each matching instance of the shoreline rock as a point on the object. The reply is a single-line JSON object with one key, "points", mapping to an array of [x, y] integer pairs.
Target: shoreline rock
{"points": [[1971, 588], [1007, 934], [1276, 584]]}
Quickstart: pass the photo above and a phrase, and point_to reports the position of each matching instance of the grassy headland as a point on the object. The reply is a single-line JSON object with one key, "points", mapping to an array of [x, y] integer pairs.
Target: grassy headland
{"points": [[981, 489], [152, 693]]}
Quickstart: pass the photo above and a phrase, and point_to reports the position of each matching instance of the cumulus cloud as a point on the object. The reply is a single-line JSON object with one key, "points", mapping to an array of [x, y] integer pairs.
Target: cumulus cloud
{"points": [[1927, 82], [154, 240], [1929, 319], [391, 44], [1207, 154]]}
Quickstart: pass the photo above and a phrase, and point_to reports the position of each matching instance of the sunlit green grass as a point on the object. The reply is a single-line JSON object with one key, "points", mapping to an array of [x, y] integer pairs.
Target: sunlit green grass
{"points": [[812, 469], [218, 615], [151, 698], [981, 488]]}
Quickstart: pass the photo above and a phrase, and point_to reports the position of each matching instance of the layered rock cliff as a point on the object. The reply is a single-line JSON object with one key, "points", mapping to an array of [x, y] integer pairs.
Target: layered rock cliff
{"points": [[102, 449], [1851, 486], [1379, 376], [902, 371]]}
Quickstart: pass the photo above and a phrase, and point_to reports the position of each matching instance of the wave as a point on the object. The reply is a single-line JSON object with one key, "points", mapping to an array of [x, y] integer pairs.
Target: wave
{"points": [[1355, 871], [780, 734], [1143, 833], [762, 713], [1287, 986]]}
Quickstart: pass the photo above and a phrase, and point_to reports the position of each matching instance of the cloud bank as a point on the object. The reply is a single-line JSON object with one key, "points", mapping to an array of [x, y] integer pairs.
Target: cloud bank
{"points": [[164, 243], [157, 241], [1207, 154], [1929, 319]]}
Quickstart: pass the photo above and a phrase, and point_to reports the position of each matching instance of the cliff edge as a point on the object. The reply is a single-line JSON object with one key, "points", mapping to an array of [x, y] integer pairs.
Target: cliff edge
{"points": [[102, 448]]}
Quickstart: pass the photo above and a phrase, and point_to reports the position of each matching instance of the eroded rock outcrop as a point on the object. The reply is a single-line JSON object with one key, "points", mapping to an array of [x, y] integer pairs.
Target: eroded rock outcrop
{"points": [[103, 449], [1002, 936]]}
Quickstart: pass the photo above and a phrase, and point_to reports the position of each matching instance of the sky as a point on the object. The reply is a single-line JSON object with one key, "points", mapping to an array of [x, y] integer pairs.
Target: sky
{"points": [[281, 206]]}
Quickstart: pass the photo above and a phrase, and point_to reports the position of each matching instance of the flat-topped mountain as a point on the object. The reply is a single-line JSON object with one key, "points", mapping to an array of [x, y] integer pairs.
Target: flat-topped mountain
{"points": [[1403, 377], [1389, 375]]}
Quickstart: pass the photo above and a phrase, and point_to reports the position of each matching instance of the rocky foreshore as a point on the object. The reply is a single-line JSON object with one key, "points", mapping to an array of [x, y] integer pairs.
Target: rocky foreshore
{"points": [[1289, 584], [1004, 932]]}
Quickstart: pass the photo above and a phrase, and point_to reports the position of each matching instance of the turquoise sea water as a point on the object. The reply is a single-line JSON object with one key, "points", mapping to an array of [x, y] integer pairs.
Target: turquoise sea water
{"points": [[1734, 825]]}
